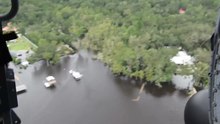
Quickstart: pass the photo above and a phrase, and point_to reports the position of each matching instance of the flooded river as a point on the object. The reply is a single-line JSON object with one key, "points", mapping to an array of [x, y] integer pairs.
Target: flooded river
{"points": [[98, 98]]}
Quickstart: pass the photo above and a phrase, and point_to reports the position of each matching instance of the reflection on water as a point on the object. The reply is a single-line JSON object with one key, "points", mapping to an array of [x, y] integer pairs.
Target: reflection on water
{"points": [[99, 98], [160, 92], [183, 82]]}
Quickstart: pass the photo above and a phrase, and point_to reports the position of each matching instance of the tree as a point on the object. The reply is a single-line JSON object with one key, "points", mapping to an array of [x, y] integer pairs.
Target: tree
{"points": [[50, 55], [134, 37]]}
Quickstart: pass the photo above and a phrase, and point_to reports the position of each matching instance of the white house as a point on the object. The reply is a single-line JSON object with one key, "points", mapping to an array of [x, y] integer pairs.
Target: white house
{"points": [[182, 58]]}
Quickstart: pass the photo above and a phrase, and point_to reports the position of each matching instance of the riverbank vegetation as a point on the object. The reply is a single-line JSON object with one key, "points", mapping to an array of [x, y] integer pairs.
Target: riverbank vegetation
{"points": [[135, 38]]}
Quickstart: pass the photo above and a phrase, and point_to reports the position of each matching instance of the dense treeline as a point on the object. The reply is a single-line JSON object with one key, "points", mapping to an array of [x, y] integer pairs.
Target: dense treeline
{"points": [[136, 38]]}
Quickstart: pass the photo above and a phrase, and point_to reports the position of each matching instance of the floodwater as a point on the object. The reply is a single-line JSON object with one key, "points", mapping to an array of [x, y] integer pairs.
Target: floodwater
{"points": [[183, 81], [98, 98]]}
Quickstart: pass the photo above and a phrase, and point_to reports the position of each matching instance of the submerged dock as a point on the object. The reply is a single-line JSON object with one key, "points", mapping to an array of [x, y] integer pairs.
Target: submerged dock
{"points": [[20, 87]]}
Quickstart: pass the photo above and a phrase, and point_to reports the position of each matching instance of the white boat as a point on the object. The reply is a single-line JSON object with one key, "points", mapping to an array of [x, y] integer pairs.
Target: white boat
{"points": [[21, 88], [25, 63], [50, 81], [76, 74]]}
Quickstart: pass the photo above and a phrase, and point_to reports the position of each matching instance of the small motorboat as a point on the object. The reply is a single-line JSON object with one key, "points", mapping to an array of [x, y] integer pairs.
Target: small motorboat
{"points": [[21, 88], [76, 74], [50, 81]]}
